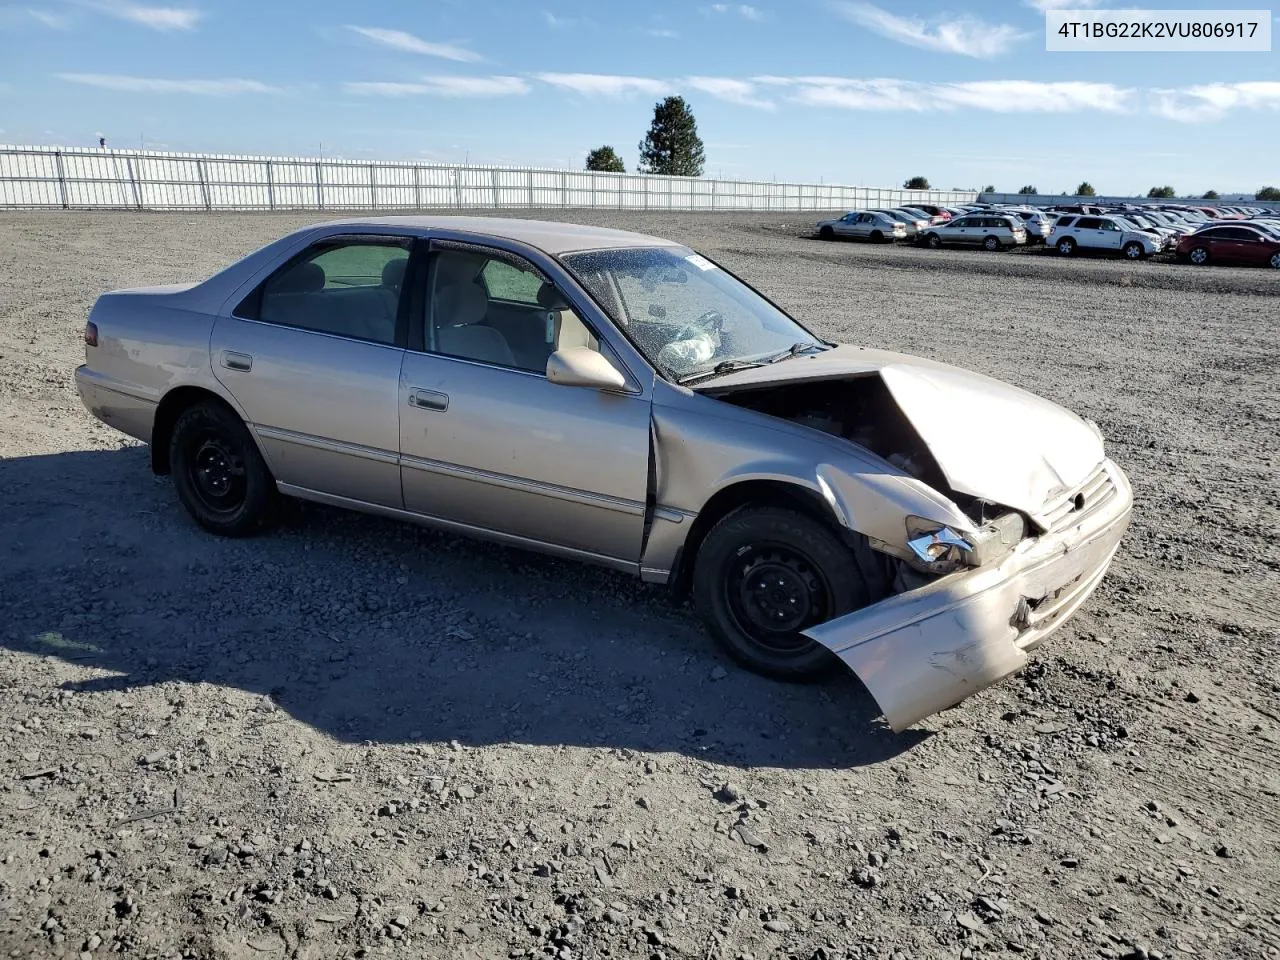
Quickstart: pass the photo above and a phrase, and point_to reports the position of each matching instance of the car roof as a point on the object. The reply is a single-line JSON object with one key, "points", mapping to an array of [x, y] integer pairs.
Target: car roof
{"points": [[546, 235]]}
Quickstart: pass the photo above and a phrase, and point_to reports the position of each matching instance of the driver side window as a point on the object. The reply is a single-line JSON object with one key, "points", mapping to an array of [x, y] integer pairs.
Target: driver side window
{"points": [[499, 310]]}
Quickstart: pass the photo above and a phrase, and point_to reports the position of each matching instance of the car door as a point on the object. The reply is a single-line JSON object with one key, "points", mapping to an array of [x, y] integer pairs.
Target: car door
{"points": [[488, 442], [1109, 235], [846, 226], [963, 230], [313, 356], [860, 225], [1243, 246]]}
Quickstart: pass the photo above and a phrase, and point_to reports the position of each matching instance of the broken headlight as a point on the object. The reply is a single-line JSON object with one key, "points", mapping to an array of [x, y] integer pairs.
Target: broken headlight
{"points": [[936, 548]]}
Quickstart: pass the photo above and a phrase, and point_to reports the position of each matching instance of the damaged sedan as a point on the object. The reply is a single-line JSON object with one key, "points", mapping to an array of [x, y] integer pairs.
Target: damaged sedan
{"points": [[624, 400]]}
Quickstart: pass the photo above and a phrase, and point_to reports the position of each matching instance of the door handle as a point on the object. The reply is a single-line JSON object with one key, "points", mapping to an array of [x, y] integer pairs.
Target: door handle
{"points": [[428, 400], [237, 361]]}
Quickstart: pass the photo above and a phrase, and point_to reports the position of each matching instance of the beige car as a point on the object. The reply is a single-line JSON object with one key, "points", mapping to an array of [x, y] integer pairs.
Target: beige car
{"points": [[624, 400]]}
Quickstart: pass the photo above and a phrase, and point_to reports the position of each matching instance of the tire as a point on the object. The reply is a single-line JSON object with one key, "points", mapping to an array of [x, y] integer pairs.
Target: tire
{"points": [[1275, 260], [1199, 256], [221, 477], [991, 244], [807, 575], [1066, 246], [933, 241], [1133, 250], [826, 233], [877, 236]]}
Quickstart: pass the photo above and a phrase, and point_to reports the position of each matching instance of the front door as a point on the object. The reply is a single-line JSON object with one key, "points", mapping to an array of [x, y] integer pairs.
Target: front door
{"points": [[313, 358], [488, 441]]}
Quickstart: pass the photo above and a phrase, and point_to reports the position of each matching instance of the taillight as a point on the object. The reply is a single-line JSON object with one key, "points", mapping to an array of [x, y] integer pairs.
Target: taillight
{"points": [[91, 334]]}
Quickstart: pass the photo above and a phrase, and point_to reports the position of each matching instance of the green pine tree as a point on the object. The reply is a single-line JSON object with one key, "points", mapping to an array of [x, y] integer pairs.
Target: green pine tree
{"points": [[672, 145]]}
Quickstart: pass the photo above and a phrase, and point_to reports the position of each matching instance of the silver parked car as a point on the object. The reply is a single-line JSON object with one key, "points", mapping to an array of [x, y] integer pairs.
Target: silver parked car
{"points": [[621, 399], [864, 225], [990, 231]]}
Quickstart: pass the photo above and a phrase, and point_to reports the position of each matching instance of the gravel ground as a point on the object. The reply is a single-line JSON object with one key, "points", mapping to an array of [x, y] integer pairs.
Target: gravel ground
{"points": [[356, 738]]}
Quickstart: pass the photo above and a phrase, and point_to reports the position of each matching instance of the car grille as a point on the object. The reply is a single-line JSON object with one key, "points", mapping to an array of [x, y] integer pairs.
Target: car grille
{"points": [[1079, 503]]}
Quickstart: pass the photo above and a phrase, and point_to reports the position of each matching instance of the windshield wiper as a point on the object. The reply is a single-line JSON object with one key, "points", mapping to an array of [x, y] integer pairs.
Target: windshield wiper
{"points": [[720, 369], [795, 350]]}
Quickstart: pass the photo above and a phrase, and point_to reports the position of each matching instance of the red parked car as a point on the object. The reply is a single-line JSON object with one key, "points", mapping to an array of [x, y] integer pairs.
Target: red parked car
{"points": [[1238, 244]]}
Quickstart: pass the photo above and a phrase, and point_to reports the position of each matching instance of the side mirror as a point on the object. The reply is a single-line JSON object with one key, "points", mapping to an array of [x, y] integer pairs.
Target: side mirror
{"points": [[581, 367]]}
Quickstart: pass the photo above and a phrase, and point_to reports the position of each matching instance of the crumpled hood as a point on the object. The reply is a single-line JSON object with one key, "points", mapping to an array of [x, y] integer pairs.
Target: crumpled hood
{"points": [[992, 440]]}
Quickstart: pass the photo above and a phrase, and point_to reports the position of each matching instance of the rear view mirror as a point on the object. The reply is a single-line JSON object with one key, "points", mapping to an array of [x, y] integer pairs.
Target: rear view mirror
{"points": [[657, 311], [583, 367]]}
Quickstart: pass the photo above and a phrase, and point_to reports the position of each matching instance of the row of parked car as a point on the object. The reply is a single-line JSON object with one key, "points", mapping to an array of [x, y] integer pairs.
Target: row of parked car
{"points": [[1196, 234]]}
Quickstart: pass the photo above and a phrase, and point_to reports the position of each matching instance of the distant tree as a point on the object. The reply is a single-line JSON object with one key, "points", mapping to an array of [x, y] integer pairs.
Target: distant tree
{"points": [[916, 183], [606, 160], [1210, 195], [1086, 190], [1161, 193], [1028, 190], [1267, 193], [989, 189], [672, 145]]}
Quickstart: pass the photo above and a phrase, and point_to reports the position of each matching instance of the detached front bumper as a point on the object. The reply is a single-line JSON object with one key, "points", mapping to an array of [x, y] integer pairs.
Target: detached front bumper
{"points": [[925, 650]]}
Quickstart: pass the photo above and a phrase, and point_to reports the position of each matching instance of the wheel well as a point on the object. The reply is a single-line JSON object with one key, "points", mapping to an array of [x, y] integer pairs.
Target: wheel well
{"points": [[167, 413], [762, 493]]}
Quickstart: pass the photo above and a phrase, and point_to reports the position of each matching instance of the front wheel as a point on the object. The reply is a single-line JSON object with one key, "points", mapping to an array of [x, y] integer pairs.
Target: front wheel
{"points": [[826, 233], [1133, 250], [933, 241], [1066, 246], [1199, 256], [765, 574], [1275, 260], [991, 243], [220, 475]]}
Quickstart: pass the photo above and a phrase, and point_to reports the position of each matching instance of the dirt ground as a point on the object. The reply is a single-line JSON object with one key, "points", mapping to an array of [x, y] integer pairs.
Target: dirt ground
{"points": [[353, 738]]}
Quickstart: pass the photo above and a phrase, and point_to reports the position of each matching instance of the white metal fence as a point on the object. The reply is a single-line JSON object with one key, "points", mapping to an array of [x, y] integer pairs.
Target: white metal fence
{"points": [[1049, 200], [75, 178]]}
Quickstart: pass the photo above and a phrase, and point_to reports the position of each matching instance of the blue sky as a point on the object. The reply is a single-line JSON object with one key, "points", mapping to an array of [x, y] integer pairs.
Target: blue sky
{"points": [[835, 90]]}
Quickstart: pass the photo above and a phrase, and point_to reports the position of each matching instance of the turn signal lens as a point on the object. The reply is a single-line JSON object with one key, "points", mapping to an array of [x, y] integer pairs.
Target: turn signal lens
{"points": [[91, 334]]}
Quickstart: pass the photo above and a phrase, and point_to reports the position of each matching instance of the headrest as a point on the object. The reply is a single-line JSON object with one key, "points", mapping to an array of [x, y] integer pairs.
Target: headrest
{"points": [[303, 278], [549, 298], [460, 304], [393, 272]]}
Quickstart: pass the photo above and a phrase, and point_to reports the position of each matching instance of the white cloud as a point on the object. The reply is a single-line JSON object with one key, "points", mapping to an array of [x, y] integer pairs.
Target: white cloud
{"points": [[663, 33], [408, 43], [209, 88], [966, 36], [50, 18], [558, 23], [744, 10], [1062, 4], [444, 87], [605, 85], [1212, 101], [741, 92], [157, 18], [999, 96]]}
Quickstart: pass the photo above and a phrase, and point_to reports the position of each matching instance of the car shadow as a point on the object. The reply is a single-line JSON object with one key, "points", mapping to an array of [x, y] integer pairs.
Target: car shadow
{"points": [[372, 630]]}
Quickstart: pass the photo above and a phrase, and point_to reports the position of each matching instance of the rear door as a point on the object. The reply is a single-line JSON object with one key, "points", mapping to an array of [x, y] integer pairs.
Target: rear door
{"points": [[313, 358]]}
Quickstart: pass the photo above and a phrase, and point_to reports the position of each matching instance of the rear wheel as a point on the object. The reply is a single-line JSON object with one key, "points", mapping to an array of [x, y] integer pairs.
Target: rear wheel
{"points": [[1199, 256], [763, 575], [221, 477], [1133, 250], [991, 243], [877, 236], [1275, 260], [933, 241], [1066, 246], [826, 233]]}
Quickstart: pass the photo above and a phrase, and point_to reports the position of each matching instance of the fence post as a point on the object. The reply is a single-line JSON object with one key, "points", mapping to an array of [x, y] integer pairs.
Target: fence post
{"points": [[204, 184], [271, 188], [133, 180], [319, 188], [373, 186], [564, 189], [531, 188], [417, 187], [62, 178], [713, 194], [493, 178], [457, 188]]}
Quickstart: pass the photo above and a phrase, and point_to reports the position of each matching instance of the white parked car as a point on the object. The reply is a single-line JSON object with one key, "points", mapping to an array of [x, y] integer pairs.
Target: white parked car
{"points": [[1083, 232], [865, 225], [1037, 223]]}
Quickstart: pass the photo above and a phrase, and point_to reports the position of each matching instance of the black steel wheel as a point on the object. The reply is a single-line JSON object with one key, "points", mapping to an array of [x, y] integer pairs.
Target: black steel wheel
{"points": [[219, 473], [765, 574]]}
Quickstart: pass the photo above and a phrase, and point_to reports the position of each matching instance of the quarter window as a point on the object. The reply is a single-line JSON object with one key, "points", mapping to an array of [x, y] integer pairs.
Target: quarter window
{"points": [[341, 286], [1089, 223]]}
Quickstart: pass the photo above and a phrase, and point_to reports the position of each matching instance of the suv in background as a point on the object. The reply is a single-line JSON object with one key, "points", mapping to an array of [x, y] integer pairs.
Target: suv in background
{"points": [[1073, 232]]}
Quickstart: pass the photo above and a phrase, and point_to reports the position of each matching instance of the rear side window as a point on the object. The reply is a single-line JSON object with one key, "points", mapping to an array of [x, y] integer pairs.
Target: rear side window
{"points": [[340, 286], [1089, 223], [1237, 233], [1065, 221]]}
